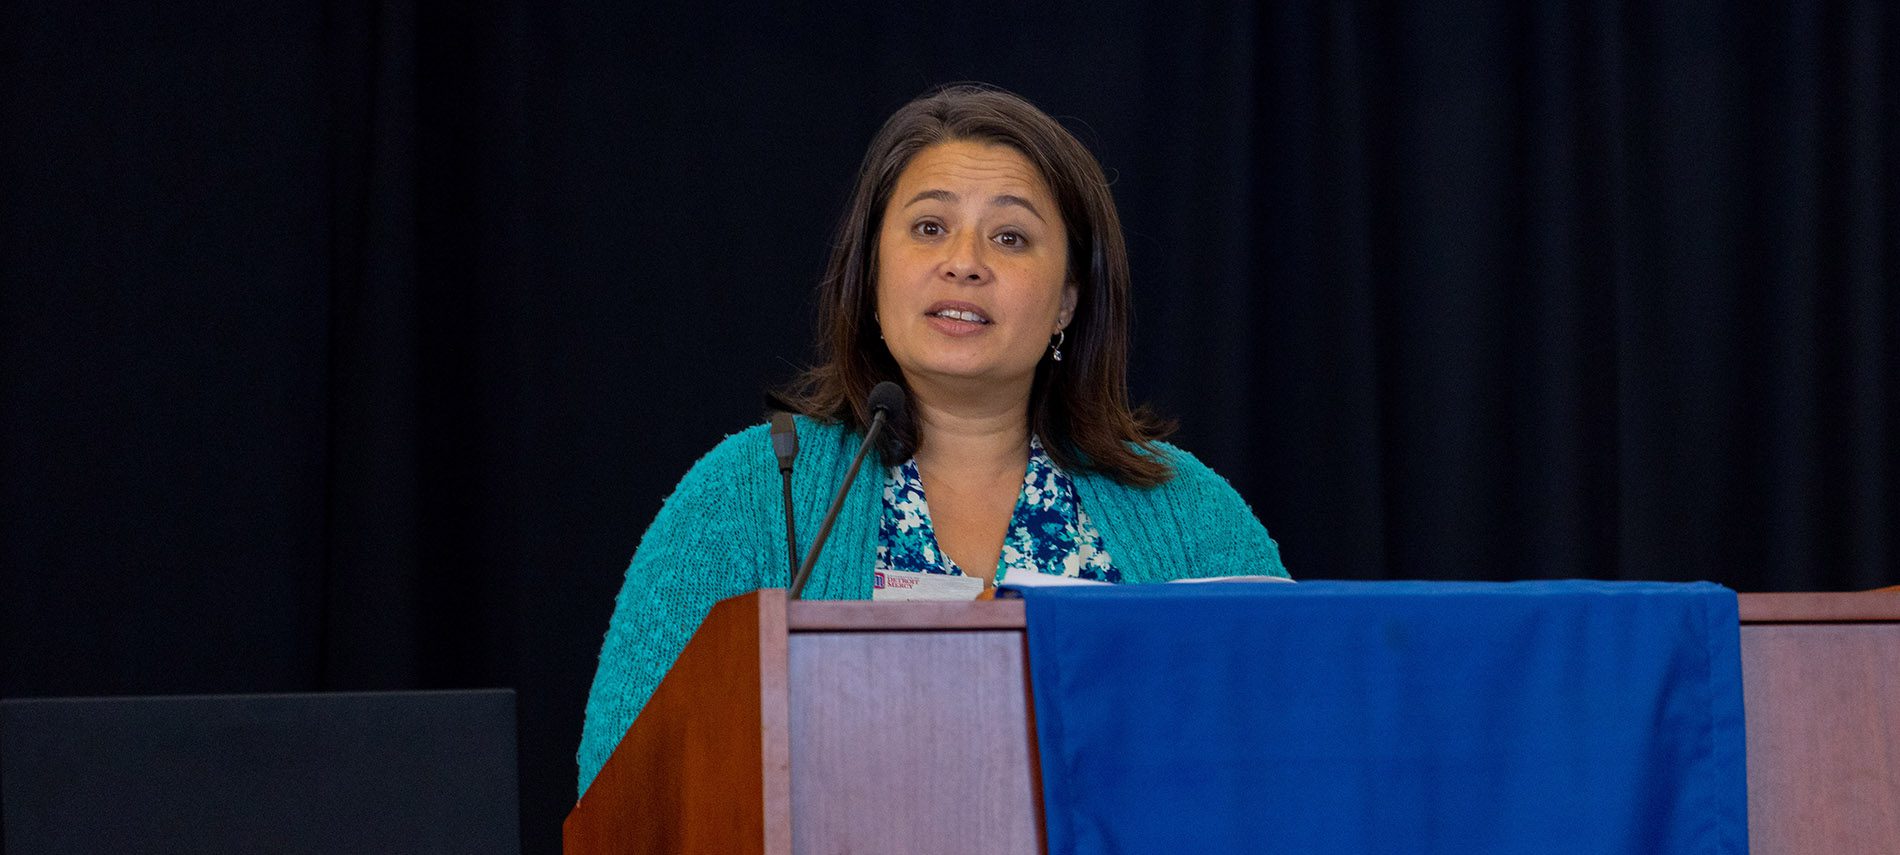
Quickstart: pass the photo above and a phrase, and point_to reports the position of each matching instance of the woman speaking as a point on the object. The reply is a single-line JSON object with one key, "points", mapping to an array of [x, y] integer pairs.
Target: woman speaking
{"points": [[980, 266]]}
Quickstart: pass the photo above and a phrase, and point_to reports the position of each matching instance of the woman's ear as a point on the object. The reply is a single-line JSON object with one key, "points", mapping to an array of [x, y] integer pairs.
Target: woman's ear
{"points": [[1070, 293]]}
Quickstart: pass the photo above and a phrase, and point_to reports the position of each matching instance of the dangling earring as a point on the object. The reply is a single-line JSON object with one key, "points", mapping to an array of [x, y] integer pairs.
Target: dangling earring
{"points": [[1055, 350]]}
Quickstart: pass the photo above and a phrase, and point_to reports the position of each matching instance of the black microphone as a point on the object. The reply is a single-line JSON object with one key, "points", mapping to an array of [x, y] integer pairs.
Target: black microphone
{"points": [[785, 448], [887, 403]]}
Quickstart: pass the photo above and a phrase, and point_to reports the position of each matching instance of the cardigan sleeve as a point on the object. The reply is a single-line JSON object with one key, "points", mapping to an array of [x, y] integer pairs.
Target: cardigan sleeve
{"points": [[1223, 536], [703, 546]]}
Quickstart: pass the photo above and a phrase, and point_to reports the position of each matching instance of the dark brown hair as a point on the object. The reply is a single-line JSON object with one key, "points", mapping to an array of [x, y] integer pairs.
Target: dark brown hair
{"points": [[1079, 406]]}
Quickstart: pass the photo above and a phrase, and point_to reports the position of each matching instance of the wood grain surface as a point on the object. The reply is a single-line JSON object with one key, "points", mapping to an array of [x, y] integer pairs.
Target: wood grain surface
{"points": [[913, 741], [1880, 605], [706, 767], [840, 616], [1823, 708]]}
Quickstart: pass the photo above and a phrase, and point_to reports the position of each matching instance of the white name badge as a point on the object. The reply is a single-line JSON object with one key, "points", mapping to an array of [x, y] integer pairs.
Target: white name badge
{"points": [[899, 585]]}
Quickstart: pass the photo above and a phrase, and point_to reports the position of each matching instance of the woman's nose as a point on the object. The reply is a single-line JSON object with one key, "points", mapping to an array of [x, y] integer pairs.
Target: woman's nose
{"points": [[965, 263]]}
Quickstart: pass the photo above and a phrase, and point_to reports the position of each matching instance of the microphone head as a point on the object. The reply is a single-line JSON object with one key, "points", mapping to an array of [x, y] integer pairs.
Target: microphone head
{"points": [[889, 397], [784, 439]]}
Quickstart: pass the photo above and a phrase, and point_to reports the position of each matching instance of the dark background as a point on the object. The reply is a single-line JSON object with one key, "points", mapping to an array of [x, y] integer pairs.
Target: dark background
{"points": [[351, 346]]}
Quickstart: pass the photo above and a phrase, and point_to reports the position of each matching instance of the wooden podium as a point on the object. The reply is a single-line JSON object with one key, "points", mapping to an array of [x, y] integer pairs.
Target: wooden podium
{"points": [[907, 727]]}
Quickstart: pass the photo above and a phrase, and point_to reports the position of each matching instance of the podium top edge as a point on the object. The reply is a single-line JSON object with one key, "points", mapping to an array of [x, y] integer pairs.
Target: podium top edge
{"points": [[1881, 606], [862, 616]]}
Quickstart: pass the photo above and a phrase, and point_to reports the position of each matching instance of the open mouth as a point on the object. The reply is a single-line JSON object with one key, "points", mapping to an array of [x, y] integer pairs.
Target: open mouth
{"points": [[958, 312]]}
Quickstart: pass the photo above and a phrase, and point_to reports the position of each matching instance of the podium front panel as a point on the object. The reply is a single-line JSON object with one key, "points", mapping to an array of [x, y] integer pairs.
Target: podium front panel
{"points": [[915, 742], [1823, 737]]}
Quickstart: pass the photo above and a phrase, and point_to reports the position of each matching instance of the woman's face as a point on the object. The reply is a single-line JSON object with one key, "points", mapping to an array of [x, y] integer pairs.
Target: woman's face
{"points": [[972, 266]]}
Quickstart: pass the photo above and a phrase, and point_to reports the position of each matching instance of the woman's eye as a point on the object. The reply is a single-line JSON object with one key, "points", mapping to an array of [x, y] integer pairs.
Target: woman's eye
{"points": [[1012, 240], [928, 228]]}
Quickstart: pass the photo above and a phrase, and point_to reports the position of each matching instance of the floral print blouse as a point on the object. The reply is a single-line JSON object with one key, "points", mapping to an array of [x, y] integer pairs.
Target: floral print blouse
{"points": [[1048, 531]]}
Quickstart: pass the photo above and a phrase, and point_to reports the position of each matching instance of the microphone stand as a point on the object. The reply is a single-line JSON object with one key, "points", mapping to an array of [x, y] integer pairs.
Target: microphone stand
{"points": [[837, 503]]}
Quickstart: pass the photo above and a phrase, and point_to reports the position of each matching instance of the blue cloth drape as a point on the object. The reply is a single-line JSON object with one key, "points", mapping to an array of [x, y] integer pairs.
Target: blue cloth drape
{"points": [[1415, 717]]}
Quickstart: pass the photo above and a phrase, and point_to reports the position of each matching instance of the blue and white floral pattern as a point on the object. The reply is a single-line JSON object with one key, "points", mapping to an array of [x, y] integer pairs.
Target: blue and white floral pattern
{"points": [[1048, 531]]}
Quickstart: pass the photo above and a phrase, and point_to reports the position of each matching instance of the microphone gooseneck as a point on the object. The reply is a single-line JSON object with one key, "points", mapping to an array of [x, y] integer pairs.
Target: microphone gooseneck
{"points": [[887, 402]]}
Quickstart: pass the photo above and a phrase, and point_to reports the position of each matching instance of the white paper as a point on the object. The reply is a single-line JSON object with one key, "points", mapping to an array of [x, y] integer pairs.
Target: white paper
{"points": [[1033, 579], [1050, 580], [1235, 579]]}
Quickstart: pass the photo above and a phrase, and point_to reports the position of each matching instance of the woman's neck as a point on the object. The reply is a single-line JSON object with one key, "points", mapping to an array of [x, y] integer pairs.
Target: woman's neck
{"points": [[980, 436]]}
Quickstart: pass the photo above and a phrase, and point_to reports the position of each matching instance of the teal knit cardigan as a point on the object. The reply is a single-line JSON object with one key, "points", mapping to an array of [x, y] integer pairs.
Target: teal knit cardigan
{"points": [[719, 536]]}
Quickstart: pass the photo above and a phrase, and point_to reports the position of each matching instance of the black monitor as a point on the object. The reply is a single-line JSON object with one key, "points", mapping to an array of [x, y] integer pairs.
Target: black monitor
{"points": [[331, 773]]}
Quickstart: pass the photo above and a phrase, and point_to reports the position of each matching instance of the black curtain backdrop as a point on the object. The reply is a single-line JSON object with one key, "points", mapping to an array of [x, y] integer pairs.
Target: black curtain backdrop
{"points": [[352, 345]]}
